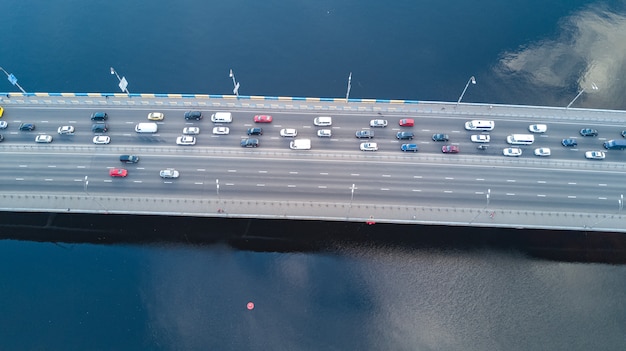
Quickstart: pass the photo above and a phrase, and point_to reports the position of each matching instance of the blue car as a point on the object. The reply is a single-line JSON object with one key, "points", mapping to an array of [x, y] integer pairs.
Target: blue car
{"points": [[409, 147], [569, 142]]}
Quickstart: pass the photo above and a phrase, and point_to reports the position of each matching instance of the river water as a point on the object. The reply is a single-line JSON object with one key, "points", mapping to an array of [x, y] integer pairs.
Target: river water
{"points": [[346, 295]]}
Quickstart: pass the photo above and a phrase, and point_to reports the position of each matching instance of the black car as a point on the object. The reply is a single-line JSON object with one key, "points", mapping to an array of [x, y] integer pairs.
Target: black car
{"points": [[99, 128], [588, 132], [569, 142], [27, 127], [364, 134], [440, 137], [99, 116], [250, 142], [405, 135], [129, 159], [197, 115], [255, 131]]}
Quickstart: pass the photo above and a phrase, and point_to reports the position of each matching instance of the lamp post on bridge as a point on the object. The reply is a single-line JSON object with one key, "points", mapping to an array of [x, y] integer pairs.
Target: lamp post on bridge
{"points": [[349, 86], [235, 84], [488, 196], [123, 83], [593, 86], [12, 79], [471, 80]]}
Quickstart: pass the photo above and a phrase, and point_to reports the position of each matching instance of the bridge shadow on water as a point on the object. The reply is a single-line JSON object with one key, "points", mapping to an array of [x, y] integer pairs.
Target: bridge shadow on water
{"points": [[307, 236]]}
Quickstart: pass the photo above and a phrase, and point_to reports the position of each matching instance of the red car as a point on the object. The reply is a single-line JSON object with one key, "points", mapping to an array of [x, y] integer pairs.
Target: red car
{"points": [[262, 119], [450, 149], [118, 172], [407, 122]]}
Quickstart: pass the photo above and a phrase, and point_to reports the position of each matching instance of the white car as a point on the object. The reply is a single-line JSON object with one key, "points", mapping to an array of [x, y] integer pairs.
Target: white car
{"points": [[43, 138], [221, 130], [101, 139], [288, 132], [512, 151], [3, 124], [169, 173], [66, 130], [324, 133], [191, 130], [537, 128], [542, 151], [369, 147], [595, 155], [156, 116], [186, 140], [378, 123], [480, 138]]}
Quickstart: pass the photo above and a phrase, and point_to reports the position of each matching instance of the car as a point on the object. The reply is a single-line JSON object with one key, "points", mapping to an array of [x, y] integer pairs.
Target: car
{"points": [[3, 124], [624, 133], [595, 155], [1, 137], [409, 147], [249, 142], [221, 130], [191, 130], [450, 149], [66, 130], [99, 116], [42, 138], [186, 140], [288, 132], [405, 136], [406, 122], [368, 146], [364, 134], [156, 116], [378, 123], [197, 115], [440, 137], [255, 131], [324, 133], [1, 111], [263, 119], [129, 158], [569, 142], [542, 151], [323, 121], [169, 173], [480, 138], [99, 127], [118, 172], [101, 139], [537, 128], [588, 132], [512, 151], [27, 127]]}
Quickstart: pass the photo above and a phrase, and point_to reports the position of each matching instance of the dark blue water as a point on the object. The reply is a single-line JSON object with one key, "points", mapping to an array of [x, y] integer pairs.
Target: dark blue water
{"points": [[367, 297]]}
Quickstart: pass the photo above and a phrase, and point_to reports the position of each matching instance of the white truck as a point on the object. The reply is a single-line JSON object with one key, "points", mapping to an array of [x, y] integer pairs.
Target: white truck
{"points": [[300, 144]]}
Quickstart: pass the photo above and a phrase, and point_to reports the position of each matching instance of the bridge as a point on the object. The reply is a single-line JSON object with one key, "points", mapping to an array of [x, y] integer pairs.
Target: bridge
{"points": [[332, 181]]}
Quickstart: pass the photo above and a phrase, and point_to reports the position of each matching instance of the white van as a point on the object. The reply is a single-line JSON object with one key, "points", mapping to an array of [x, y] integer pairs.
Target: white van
{"points": [[520, 139], [222, 117], [146, 128], [300, 144], [479, 125], [323, 121]]}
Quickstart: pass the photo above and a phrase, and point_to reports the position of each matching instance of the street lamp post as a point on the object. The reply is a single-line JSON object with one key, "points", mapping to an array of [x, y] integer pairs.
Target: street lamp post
{"points": [[488, 196], [12, 79], [471, 80], [123, 83], [86, 184], [349, 86], [235, 84], [593, 86]]}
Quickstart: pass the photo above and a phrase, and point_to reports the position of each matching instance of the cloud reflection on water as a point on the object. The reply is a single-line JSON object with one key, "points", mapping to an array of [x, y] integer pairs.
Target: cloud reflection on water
{"points": [[589, 48]]}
